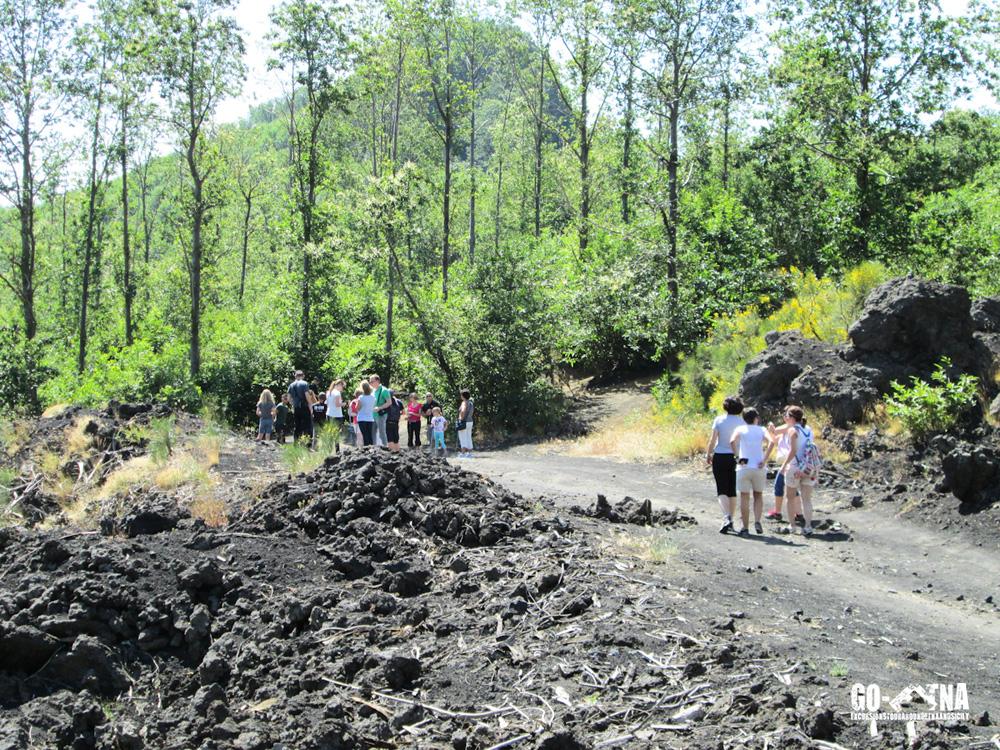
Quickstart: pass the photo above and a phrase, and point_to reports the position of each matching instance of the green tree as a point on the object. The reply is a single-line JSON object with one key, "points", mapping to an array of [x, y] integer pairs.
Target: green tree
{"points": [[855, 75], [681, 42], [33, 36], [200, 62], [310, 40]]}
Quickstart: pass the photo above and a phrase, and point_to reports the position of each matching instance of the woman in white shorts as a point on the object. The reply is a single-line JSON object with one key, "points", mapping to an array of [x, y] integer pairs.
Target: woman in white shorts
{"points": [[795, 477], [753, 445]]}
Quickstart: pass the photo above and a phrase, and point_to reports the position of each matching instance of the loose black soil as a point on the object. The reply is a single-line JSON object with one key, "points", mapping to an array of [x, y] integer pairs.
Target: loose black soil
{"points": [[381, 601]]}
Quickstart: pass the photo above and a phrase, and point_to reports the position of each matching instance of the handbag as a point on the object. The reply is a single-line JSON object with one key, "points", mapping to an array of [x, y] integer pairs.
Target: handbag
{"points": [[460, 425]]}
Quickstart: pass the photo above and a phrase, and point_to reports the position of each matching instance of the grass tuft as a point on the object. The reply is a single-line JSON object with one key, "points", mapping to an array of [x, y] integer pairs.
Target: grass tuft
{"points": [[78, 441], [212, 510], [653, 546], [298, 458], [645, 437], [55, 410]]}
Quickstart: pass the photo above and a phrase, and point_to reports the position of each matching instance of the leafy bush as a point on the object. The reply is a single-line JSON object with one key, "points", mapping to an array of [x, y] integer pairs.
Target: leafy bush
{"points": [[822, 308], [927, 408], [21, 372]]}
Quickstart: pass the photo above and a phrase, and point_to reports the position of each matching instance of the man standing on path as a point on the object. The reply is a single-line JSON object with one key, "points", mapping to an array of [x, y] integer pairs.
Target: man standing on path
{"points": [[299, 392], [382, 399]]}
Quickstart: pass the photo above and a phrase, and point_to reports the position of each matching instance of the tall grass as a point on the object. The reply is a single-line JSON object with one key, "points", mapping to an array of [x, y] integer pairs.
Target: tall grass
{"points": [[645, 437], [297, 457]]}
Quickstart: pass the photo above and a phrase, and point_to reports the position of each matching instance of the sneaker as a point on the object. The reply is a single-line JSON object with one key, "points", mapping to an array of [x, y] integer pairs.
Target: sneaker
{"points": [[758, 528], [745, 532], [807, 531], [800, 520], [727, 526], [773, 516]]}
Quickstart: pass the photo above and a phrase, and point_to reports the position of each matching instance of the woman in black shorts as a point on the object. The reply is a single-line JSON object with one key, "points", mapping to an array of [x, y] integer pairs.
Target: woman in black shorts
{"points": [[720, 457]]}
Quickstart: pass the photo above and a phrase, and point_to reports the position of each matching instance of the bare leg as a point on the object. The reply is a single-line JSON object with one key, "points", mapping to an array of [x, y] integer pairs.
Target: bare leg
{"points": [[794, 505], [745, 508], [727, 509], [807, 505], [758, 506]]}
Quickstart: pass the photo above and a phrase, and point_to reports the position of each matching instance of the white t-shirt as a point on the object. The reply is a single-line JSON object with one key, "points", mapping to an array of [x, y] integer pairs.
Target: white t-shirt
{"points": [[725, 425], [334, 405], [752, 437], [366, 408]]}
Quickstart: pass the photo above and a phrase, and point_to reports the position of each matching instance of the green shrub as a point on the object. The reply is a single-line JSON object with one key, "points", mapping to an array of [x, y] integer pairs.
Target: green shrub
{"points": [[820, 307], [927, 408], [161, 439]]}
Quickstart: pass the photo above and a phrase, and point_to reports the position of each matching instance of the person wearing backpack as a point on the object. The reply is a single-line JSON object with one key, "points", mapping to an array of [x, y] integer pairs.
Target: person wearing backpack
{"points": [[802, 464]]}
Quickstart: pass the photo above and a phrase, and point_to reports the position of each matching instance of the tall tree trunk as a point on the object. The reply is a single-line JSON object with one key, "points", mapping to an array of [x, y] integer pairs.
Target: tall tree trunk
{"points": [[472, 181], [446, 245], [196, 261], [65, 270], [539, 135], [725, 138], [88, 242], [27, 221], [628, 126], [391, 291], [146, 223], [374, 135], [126, 248], [97, 281], [863, 214], [584, 165], [672, 163], [248, 206]]}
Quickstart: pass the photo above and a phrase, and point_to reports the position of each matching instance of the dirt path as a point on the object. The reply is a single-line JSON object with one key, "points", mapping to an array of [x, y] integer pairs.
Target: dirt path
{"points": [[888, 602]]}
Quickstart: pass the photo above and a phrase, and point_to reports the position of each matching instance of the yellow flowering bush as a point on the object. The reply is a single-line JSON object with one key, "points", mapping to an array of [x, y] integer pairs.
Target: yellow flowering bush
{"points": [[821, 308]]}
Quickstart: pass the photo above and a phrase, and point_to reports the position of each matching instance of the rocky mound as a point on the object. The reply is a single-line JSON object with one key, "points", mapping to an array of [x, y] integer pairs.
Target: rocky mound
{"points": [[381, 601], [905, 328], [632, 511]]}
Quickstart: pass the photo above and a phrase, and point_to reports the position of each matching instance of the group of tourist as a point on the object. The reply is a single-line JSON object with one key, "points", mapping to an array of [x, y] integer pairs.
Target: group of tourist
{"points": [[370, 416], [739, 451]]}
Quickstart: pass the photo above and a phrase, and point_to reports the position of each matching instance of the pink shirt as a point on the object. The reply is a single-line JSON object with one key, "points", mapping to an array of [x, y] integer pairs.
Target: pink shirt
{"points": [[413, 412]]}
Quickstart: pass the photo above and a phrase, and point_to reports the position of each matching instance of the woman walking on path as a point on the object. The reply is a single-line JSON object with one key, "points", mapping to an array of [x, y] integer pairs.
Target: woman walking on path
{"points": [[797, 473], [748, 443], [413, 422], [265, 413], [464, 425], [366, 414], [783, 436], [720, 457]]}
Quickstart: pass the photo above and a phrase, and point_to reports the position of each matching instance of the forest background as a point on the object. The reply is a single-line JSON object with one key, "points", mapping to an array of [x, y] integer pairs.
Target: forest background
{"points": [[454, 194]]}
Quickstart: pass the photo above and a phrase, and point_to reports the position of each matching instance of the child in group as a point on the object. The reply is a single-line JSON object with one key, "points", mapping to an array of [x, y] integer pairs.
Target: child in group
{"points": [[281, 412], [353, 408], [393, 413], [438, 426], [265, 415], [413, 422]]}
